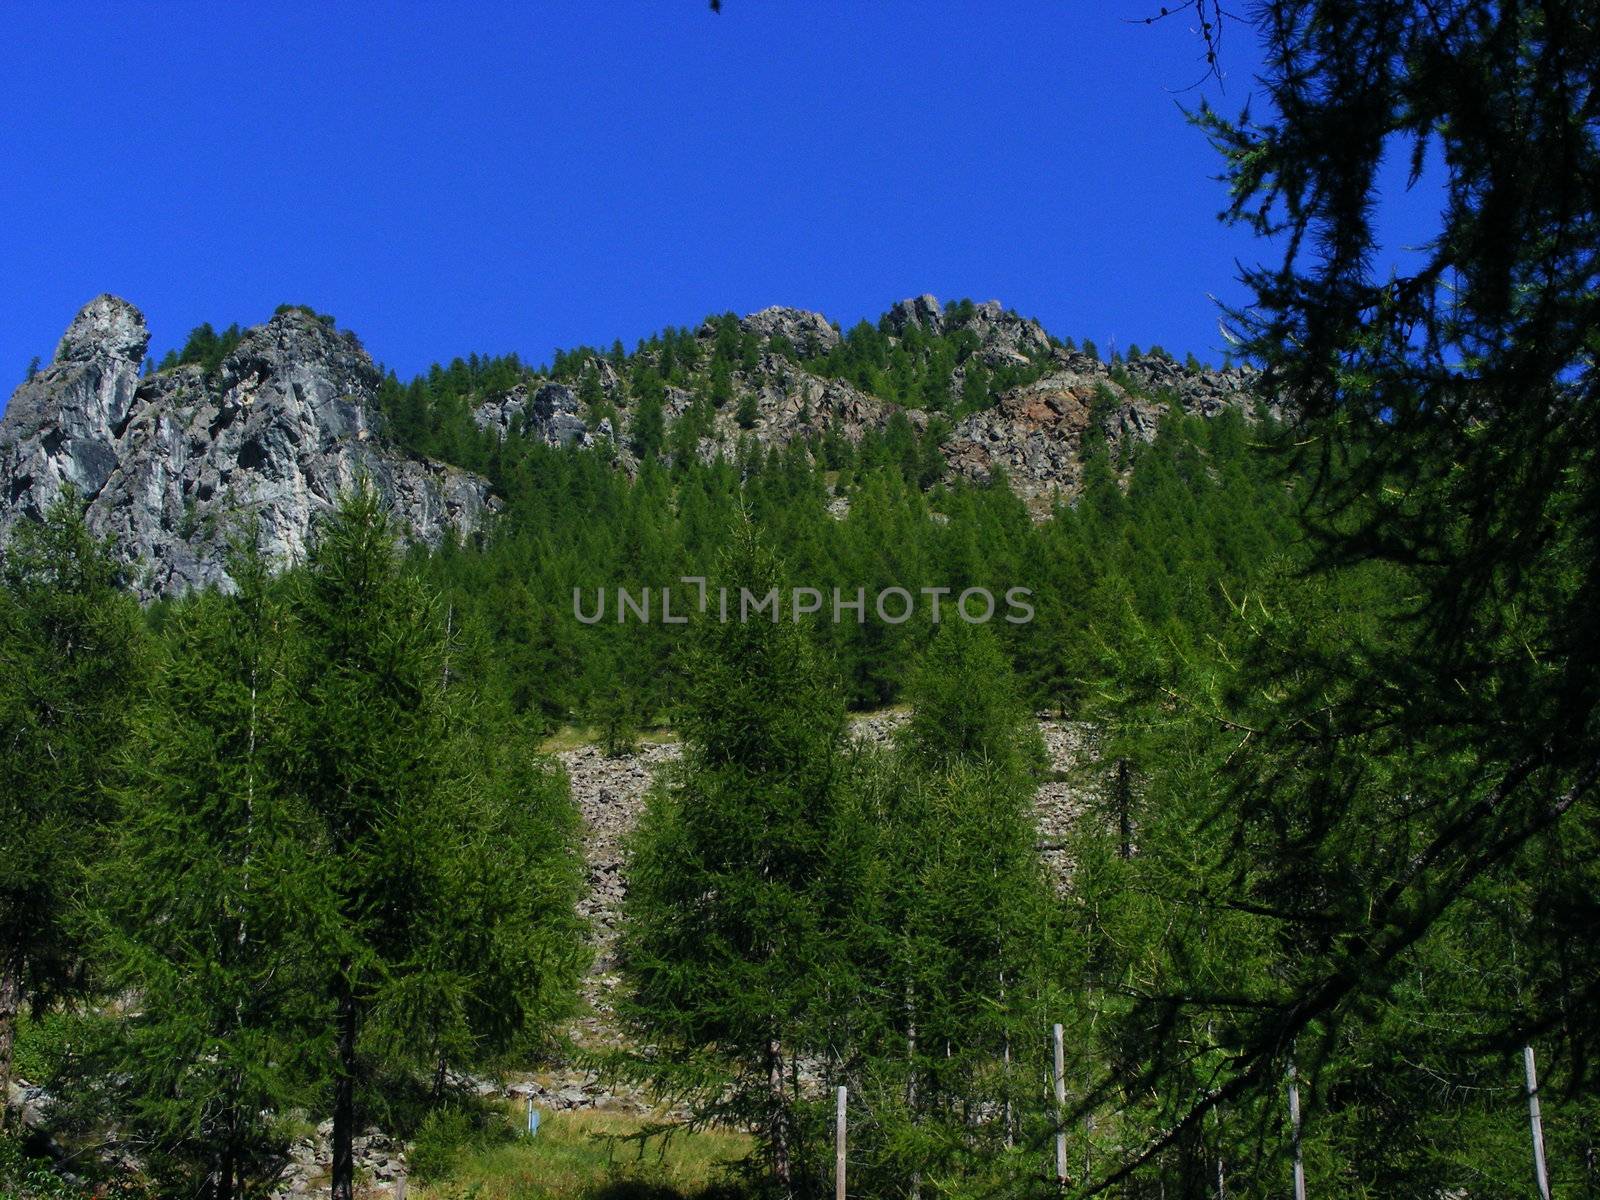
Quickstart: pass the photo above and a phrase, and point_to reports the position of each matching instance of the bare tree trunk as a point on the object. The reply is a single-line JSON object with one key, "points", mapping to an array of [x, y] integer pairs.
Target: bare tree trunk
{"points": [[782, 1169], [344, 1166], [10, 1002]]}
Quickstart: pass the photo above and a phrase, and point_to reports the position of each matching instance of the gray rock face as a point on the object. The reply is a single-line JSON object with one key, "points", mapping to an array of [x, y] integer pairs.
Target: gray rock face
{"points": [[175, 464], [923, 310], [1002, 334], [808, 332], [62, 426], [550, 413]]}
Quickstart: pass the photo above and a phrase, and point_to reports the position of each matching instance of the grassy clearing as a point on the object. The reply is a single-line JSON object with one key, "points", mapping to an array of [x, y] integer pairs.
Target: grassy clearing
{"points": [[575, 737], [575, 1157]]}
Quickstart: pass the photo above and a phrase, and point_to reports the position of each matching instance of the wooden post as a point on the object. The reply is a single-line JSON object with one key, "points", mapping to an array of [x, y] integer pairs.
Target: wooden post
{"points": [[1294, 1134], [400, 1187], [1061, 1108], [839, 1146], [1541, 1176]]}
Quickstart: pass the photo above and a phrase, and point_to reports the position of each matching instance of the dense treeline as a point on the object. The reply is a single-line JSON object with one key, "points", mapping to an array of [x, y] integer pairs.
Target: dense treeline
{"points": [[292, 827], [1156, 528]]}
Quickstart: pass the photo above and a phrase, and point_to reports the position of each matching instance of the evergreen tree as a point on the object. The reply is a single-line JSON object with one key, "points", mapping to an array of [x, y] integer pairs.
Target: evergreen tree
{"points": [[411, 964], [748, 412], [967, 707], [647, 432], [1371, 809], [206, 896], [71, 660], [723, 940], [950, 939]]}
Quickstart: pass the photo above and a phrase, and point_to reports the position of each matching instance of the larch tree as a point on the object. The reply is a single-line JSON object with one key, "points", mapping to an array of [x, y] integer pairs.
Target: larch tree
{"points": [[725, 940], [203, 904], [438, 940], [71, 660]]}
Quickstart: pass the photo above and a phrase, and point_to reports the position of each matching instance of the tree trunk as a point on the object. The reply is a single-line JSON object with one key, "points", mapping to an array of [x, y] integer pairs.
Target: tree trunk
{"points": [[10, 1002], [782, 1169], [911, 1079], [226, 1170], [344, 1166]]}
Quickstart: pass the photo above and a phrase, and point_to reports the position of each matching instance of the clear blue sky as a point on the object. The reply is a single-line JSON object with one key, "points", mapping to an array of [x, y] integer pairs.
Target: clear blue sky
{"points": [[466, 177]]}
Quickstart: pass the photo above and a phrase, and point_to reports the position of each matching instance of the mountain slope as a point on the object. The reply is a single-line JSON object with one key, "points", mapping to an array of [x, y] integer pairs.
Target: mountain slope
{"points": [[174, 463], [276, 420]]}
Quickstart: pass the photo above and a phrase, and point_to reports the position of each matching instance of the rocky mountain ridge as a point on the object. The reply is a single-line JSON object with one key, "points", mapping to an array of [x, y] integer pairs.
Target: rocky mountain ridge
{"points": [[173, 463], [1033, 432]]}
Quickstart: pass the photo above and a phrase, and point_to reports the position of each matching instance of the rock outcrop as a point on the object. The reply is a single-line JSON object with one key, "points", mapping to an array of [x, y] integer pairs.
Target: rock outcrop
{"points": [[810, 333], [175, 464], [549, 413]]}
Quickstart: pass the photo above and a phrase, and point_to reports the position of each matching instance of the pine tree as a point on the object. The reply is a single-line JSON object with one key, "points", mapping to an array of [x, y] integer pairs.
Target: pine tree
{"points": [[420, 959], [71, 660], [205, 898], [723, 940]]}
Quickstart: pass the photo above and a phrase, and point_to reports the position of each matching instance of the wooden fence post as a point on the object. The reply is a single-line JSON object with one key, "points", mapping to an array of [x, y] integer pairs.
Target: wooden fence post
{"points": [[1061, 1107], [1294, 1133], [1531, 1077], [839, 1147]]}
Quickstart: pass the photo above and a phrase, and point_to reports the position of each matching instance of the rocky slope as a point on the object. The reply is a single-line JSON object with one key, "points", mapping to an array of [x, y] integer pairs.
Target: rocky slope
{"points": [[1033, 433], [173, 464]]}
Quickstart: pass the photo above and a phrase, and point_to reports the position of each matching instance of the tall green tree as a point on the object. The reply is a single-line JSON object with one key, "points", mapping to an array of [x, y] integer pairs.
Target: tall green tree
{"points": [[71, 660], [420, 957], [205, 899], [951, 942], [1415, 731], [724, 941]]}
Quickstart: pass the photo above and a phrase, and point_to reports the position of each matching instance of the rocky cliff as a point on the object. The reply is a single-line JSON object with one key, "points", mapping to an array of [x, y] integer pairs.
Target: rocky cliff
{"points": [[1033, 433], [173, 464]]}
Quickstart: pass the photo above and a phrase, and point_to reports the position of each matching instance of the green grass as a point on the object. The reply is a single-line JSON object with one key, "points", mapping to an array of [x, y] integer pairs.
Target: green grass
{"points": [[576, 1157], [575, 737]]}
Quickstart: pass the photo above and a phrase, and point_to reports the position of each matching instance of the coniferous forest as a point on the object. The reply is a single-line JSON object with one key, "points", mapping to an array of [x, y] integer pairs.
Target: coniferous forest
{"points": [[301, 870]]}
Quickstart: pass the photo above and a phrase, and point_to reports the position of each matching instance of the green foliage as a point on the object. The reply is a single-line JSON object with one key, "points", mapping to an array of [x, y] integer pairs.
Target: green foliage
{"points": [[208, 896], [747, 413], [326, 318], [967, 707], [26, 1177], [1363, 806], [952, 959], [448, 1134], [205, 348], [71, 660], [446, 929], [722, 937], [647, 431]]}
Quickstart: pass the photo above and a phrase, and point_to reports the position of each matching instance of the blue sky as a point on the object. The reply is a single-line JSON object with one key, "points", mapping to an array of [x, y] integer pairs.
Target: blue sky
{"points": [[446, 179]]}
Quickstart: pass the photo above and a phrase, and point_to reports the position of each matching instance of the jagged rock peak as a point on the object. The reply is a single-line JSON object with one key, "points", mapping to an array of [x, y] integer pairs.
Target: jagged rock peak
{"points": [[808, 332], [173, 464], [924, 310], [109, 327]]}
